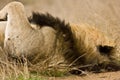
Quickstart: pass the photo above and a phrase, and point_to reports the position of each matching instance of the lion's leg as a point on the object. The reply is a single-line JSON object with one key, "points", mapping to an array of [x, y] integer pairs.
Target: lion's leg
{"points": [[16, 18], [2, 31], [17, 28]]}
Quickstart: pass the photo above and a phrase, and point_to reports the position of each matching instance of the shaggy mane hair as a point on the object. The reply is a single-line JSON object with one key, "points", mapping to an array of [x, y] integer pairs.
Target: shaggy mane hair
{"points": [[54, 22], [50, 21]]}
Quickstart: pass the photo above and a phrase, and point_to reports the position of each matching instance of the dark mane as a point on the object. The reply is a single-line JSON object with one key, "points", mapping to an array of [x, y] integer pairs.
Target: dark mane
{"points": [[49, 20], [54, 22], [45, 19]]}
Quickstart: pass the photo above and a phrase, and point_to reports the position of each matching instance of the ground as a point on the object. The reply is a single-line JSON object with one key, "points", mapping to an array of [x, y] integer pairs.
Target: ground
{"points": [[98, 76], [102, 13]]}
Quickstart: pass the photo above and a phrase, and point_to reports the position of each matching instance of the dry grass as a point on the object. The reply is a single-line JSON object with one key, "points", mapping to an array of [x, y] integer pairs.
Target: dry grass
{"points": [[22, 69], [11, 70]]}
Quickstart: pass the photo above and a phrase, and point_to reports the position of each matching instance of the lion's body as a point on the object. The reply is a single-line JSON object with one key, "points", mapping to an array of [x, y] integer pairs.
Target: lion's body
{"points": [[46, 38]]}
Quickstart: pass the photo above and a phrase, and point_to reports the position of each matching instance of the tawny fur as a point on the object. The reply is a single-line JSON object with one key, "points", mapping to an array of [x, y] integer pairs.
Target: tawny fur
{"points": [[88, 39], [80, 45]]}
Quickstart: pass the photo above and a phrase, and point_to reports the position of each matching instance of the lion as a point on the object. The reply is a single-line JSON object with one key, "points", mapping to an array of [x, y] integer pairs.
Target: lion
{"points": [[43, 37]]}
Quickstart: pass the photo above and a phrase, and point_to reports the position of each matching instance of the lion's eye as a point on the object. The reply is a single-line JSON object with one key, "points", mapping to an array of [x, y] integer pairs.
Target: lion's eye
{"points": [[105, 50]]}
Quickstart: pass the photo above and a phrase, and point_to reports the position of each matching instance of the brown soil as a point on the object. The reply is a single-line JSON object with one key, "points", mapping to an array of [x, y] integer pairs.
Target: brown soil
{"points": [[100, 76]]}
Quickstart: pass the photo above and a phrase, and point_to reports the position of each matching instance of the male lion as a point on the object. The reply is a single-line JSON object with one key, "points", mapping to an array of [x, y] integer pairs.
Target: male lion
{"points": [[44, 37]]}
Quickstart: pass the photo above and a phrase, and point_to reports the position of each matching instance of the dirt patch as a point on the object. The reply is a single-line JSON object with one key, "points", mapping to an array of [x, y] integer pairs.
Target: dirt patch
{"points": [[92, 76]]}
